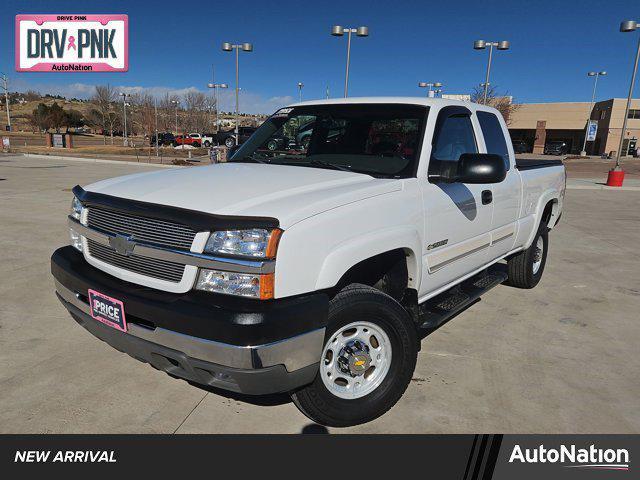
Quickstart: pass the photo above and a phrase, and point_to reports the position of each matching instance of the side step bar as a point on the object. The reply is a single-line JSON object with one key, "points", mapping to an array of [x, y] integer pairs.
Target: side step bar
{"points": [[437, 310]]}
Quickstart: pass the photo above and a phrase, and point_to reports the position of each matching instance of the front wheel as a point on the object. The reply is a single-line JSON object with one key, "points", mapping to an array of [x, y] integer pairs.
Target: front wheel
{"points": [[526, 267], [229, 142], [367, 361]]}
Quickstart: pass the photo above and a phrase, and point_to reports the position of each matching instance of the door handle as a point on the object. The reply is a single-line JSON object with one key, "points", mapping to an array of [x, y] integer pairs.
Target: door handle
{"points": [[487, 197]]}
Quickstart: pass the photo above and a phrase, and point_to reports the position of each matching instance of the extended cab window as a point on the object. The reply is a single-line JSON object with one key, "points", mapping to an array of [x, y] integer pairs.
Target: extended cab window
{"points": [[377, 139], [455, 137], [493, 135]]}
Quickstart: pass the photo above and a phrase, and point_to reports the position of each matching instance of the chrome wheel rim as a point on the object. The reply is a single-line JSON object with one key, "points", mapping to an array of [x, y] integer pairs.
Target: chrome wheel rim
{"points": [[355, 360], [537, 255]]}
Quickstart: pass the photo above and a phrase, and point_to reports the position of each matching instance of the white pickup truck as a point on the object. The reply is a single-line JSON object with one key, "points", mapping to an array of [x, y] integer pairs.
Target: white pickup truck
{"points": [[318, 270]]}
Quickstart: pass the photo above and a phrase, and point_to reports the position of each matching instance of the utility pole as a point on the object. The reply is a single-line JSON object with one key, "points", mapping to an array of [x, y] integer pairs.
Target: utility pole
{"points": [[5, 86]]}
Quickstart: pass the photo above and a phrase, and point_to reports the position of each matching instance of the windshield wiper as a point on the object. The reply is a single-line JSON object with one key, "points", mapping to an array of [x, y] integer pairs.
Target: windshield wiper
{"points": [[333, 166]]}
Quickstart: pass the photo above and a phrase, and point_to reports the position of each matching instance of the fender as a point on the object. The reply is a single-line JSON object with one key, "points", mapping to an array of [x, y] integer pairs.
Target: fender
{"points": [[353, 251], [547, 196]]}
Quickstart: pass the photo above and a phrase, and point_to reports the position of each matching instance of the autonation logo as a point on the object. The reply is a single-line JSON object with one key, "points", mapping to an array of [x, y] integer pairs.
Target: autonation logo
{"points": [[573, 457]]}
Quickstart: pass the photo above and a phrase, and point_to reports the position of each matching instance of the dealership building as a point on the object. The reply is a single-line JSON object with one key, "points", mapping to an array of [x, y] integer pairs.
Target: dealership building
{"points": [[538, 124]]}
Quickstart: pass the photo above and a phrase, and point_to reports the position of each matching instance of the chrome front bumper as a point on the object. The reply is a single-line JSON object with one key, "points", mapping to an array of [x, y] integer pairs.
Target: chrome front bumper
{"points": [[294, 353]]}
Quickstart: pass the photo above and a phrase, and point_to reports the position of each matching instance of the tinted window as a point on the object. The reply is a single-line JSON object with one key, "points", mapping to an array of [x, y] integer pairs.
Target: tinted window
{"points": [[377, 139], [455, 138], [493, 135]]}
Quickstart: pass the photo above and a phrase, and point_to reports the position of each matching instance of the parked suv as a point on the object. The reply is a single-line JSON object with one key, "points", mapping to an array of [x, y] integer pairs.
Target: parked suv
{"points": [[229, 140], [164, 139], [556, 148]]}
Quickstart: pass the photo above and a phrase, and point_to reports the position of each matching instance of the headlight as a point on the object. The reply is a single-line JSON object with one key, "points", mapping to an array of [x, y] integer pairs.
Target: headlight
{"points": [[255, 242], [242, 284], [76, 208]]}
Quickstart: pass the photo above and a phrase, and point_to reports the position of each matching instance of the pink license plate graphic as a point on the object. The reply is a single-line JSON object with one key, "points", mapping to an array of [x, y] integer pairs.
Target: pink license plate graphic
{"points": [[107, 310], [72, 43]]}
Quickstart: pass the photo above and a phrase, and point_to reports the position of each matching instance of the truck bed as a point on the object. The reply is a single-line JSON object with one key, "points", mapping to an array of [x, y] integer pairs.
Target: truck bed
{"points": [[531, 163]]}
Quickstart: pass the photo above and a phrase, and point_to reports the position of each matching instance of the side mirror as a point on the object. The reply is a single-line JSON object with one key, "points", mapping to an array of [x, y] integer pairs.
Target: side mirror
{"points": [[481, 168]]}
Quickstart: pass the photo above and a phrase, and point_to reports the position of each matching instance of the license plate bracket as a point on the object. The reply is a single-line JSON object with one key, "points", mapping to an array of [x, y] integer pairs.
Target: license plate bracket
{"points": [[107, 310]]}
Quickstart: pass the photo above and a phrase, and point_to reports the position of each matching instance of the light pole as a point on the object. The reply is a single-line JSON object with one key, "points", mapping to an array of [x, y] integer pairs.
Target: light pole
{"points": [[176, 103], [155, 113], [5, 86], [124, 108], [430, 85], [245, 47], [300, 85], [583, 153], [215, 87], [481, 45], [628, 26], [338, 31]]}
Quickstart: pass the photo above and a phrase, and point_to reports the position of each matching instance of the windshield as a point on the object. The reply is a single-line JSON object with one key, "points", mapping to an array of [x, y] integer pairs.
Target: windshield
{"points": [[382, 140]]}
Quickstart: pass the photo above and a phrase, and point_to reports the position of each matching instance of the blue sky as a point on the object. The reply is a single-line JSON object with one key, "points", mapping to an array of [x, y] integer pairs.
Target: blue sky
{"points": [[174, 44]]}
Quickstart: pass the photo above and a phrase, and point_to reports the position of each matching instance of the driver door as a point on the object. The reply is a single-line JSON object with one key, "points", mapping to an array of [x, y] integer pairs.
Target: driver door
{"points": [[457, 221]]}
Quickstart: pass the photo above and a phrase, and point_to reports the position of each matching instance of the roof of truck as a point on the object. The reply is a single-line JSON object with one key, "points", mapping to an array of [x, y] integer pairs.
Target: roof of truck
{"points": [[435, 102]]}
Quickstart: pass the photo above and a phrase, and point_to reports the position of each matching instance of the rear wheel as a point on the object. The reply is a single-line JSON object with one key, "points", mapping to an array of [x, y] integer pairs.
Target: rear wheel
{"points": [[207, 143], [526, 267], [367, 361]]}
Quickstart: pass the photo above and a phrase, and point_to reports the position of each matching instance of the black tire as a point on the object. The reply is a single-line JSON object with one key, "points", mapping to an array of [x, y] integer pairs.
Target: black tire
{"points": [[353, 303], [229, 142], [196, 145], [207, 143], [272, 145], [521, 265]]}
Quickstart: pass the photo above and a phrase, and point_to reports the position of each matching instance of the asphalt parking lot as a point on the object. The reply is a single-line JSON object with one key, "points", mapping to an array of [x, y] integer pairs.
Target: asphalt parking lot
{"points": [[562, 358]]}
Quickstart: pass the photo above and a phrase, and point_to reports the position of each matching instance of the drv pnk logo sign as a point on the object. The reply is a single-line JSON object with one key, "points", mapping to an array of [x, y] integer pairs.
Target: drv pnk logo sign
{"points": [[72, 43]]}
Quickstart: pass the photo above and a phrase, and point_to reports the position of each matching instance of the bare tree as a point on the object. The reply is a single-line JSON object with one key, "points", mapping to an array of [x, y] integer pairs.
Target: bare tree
{"points": [[143, 113], [196, 112], [166, 113], [503, 103], [108, 117]]}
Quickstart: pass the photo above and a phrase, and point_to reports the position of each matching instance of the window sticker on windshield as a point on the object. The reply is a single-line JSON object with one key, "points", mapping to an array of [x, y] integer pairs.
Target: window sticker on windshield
{"points": [[283, 112]]}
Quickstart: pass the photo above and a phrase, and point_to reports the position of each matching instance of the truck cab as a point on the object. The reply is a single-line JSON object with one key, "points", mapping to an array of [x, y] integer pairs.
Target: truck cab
{"points": [[313, 270]]}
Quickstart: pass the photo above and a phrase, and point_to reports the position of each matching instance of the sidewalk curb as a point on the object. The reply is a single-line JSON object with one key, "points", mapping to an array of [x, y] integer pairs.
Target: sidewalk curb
{"points": [[602, 187], [96, 160]]}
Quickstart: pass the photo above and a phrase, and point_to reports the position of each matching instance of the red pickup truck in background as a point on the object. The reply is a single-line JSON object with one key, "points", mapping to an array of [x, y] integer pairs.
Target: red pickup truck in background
{"points": [[193, 139]]}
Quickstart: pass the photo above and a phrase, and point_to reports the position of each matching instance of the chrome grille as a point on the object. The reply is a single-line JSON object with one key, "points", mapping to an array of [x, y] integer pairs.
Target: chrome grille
{"points": [[144, 229], [151, 267]]}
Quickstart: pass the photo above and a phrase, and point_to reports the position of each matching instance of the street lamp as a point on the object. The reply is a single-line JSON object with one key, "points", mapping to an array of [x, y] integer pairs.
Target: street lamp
{"points": [[176, 103], [245, 47], [627, 26], [430, 85], [481, 45], [338, 31], [583, 153], [5, 87], [124, 108], [300, 85], [215, 87]]}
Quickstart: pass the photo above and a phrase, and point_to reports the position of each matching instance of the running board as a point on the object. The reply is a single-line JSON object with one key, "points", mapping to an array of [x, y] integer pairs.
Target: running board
{"points": [[437, 310]]}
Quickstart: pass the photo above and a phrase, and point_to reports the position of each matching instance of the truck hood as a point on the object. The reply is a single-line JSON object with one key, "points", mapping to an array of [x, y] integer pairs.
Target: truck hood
{"points": [[287, 193]]}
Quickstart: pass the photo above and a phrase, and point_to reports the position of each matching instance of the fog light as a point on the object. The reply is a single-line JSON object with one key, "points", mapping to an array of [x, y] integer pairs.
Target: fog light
{"points": [[240, 284], [76, 239]]}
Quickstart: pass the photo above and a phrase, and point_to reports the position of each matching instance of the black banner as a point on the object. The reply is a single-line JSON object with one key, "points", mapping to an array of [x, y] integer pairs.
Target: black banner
{"points": [[461, 457]]}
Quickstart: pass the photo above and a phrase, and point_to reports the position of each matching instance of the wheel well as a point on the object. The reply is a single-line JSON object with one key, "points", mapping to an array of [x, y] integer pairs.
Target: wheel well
{"points": [[550, 212], [386, 271]]}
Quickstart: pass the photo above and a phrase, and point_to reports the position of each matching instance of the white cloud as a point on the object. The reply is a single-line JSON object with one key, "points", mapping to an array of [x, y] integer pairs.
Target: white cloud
{"points": [[250, 102]]}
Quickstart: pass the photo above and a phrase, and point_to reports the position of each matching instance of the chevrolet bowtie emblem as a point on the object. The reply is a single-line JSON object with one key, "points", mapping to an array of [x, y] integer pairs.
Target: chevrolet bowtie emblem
{"points": [[122, 244]]}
